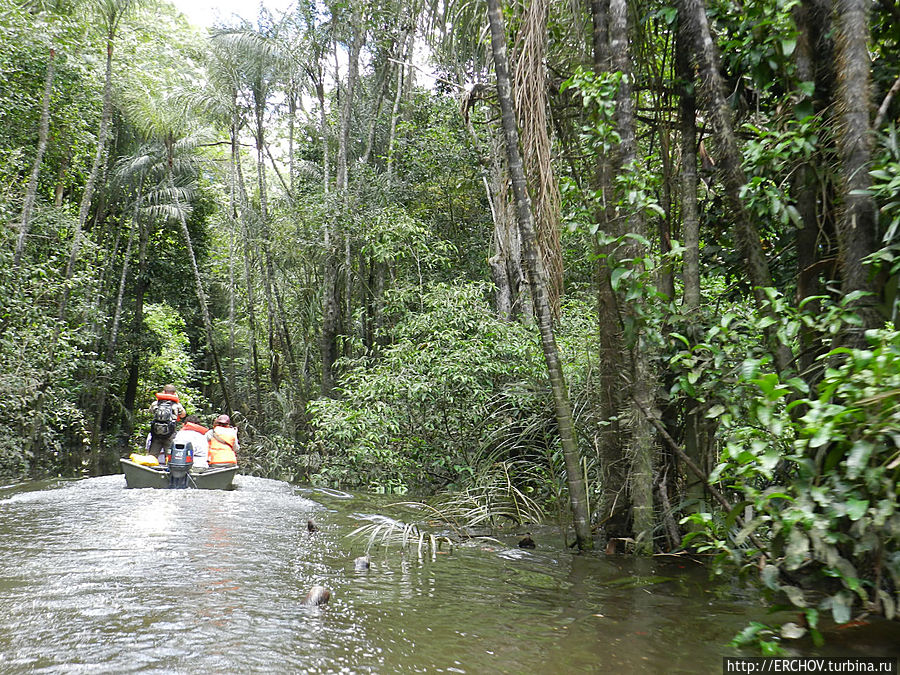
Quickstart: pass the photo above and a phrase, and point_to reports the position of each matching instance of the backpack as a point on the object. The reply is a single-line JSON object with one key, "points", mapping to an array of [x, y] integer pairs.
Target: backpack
{"points": [[163, 424]]}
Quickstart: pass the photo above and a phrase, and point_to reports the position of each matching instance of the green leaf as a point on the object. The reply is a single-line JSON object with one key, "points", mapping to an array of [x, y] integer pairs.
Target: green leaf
{"points": [[795, 595], [797, 549], [841, 606], [859, 458], [770, 648], [715, 411], [769, 576], [856, 508], [617, 275]]}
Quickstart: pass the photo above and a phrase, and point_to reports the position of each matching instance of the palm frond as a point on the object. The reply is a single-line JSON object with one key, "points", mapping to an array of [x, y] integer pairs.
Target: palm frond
{"points": [[384, 531]]}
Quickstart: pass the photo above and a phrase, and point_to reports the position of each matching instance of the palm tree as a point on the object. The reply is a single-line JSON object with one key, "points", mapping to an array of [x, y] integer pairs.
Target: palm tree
{"points": [[531, 107], [262, 60], [163, 119]]}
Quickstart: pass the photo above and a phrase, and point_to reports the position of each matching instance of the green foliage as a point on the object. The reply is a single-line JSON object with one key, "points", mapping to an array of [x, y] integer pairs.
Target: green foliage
{"points": [[169, 361], [384, 531], [817, 469], [419, 414], [885, 189], [759, 39], [770, 158], [43, 425], [598, 94]]}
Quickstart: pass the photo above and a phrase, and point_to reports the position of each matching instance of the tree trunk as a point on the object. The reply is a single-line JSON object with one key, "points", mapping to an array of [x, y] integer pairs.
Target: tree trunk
{"points": [[804, 187], [857, 222], [271, 285], [331, 288], [690, 216], [695, 425], [538, 281], [43, 134], [613, 507], [643, 446], [693, 15]]}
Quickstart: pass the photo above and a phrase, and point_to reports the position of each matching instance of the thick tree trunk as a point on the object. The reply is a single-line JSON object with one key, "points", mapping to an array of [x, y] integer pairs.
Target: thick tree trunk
{"points": [[643, 446], [538, 281], [614, 508], [692, 14], [43, 134], [804, 187], [695, 425], [856, 227], [506, 261]]}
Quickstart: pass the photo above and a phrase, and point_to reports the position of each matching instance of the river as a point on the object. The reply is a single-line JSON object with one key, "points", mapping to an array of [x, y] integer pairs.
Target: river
{"points": [[96, 578]]}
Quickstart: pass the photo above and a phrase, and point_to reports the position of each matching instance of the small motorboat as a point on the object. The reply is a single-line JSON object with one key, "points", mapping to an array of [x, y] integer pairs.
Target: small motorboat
{"points": [[177, 472]]}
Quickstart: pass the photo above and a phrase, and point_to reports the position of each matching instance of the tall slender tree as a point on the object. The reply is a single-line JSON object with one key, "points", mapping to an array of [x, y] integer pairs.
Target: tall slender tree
{"points": [[110, 14], [538, 281]]}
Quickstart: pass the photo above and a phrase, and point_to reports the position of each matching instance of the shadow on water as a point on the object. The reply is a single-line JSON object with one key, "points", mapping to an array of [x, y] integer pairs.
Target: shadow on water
{"points": [[97, 578]]}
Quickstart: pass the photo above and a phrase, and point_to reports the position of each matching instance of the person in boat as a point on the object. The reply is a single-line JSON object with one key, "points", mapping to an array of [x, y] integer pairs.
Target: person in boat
{"points": [[223, 443], [165, 412], [194, 433]]}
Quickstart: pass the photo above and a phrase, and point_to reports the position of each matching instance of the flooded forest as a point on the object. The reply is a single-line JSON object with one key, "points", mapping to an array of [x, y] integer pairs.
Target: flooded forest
{"points": [[619, 275]]}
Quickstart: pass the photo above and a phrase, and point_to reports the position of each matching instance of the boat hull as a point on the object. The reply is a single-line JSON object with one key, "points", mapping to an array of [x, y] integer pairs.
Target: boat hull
{"points": [[140, 476]]}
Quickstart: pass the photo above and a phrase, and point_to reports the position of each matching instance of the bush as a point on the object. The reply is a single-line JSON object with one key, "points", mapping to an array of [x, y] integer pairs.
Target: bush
{"points": [[419, 417]]}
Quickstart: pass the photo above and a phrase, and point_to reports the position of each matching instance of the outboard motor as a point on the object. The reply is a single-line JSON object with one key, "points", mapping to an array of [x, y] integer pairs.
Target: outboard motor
{"points": [[179, 460]]}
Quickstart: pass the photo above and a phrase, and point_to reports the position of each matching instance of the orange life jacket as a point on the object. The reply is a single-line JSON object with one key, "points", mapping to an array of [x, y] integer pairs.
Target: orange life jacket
{"points": [[190, 426], [221, 445], [161, 396]]}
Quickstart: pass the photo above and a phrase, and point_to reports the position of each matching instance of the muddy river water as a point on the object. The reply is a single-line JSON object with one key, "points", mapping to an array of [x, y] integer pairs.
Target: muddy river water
{"points": [[96, 578]]}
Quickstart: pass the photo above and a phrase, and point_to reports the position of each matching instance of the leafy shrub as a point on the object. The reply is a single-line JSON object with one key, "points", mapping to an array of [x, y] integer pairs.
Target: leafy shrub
{"points": [[420, 415], [817, 470]]}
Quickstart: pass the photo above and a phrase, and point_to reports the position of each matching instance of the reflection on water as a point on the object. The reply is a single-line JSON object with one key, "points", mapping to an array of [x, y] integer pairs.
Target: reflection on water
{"points": [[97, 578]]}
